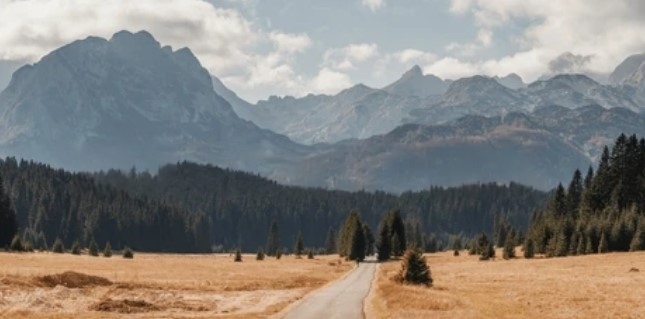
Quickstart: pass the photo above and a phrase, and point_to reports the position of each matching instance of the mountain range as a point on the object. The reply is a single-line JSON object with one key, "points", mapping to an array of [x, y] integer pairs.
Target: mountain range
{"points": [[128, 101]]}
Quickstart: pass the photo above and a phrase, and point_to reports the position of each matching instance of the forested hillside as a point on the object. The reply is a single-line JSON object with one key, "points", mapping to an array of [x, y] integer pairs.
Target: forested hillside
{"points": [[600, 212], [242, 206], [52, 204]]}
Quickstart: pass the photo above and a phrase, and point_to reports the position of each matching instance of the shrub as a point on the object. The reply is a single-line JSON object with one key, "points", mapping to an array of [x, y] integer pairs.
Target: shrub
{"points": [[278, 254], [58, 246], [238, 256], [93, 248], [414, 269], [529, 248], [28, 247], [128, 253], [509, 247], [456, 253], [76, 248], [310, 254], [107, 251]]}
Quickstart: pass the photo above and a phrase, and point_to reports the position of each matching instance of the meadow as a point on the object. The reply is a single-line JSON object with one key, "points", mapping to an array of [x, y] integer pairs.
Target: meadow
{"points": [[47, 285], [592, 286]]}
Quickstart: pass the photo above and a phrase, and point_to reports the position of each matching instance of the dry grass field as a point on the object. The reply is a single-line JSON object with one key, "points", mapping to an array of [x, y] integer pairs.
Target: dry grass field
{"points": [[596, 286], [157, 286]]}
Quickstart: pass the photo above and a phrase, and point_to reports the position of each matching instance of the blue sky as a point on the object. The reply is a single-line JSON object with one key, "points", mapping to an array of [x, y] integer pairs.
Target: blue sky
{"points": [[294, 47]]}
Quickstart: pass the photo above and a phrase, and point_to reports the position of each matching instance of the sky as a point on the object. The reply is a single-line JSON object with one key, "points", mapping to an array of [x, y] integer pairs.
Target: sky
{"points": [[260, 48]]}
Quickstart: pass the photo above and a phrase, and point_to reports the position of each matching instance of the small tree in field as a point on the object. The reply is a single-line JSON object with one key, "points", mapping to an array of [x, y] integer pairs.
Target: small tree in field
{"points": [[76, 248], [93, 248], [529, 248], [603, 247], [58, 246], [17, 244], [238, 256], [260, 255], [128, 253], [414, 269], [300, 246], [509, 246], [310, 254], [107, 251]]}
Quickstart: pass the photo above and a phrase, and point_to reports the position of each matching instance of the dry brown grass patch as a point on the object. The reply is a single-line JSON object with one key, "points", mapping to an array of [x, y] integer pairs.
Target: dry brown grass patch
{"points": [[71, 279], [124, 306]]}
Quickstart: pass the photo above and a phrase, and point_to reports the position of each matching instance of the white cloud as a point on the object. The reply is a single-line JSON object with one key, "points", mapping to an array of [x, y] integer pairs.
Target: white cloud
{"points": [[291, 43], [451, 68], [373, 4], [345, 58], [329, 81], [606, 31], [483, 41]]}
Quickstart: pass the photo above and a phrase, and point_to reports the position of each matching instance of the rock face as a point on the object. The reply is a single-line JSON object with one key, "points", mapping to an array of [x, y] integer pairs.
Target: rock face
{"points": [[414, 83], [123, 102]]}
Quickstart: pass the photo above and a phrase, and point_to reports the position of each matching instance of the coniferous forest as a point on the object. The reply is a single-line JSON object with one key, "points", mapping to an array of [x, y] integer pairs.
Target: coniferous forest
{"points": [[242, 206], [188, 207], [599, 212]]}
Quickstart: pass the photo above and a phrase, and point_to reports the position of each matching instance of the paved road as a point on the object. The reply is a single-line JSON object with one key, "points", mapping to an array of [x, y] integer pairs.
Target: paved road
{"points": [[342, 299]]}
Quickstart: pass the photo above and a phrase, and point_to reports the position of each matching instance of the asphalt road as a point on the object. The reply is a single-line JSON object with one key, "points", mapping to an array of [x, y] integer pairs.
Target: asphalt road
{"points": [[342, 299]]}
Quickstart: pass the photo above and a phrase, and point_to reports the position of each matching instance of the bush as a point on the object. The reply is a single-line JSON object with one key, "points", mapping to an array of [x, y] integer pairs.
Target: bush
{"points": [[28, 247], [529, 248], [128, 253], [76, 248], [58, 246], [107, 251], [278, 254], [310, 254], [414, 269], [456, 253], [93, 248], [16, 244], [260, 255], [238, 256]]}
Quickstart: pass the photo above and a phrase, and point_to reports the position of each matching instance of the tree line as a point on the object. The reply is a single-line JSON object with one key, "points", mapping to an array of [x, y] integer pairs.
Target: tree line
{"points": [[600, 212]]}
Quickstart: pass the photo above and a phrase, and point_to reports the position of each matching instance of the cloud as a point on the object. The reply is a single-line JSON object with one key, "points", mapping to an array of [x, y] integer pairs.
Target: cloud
{"points": [[291, 43], [329, 81], [373, 4], [483, 41], [569, 63], [605, 32], [347, 57]]}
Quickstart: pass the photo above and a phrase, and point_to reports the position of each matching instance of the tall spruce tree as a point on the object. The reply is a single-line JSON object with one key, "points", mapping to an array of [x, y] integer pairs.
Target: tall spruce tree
{"points": [[509, 246], [8, 221], [384, 243], [398, 231], [369, 240], [330, 242], [574, 192], [357, 246], [347, 231], [273, 240], [299, 248]]}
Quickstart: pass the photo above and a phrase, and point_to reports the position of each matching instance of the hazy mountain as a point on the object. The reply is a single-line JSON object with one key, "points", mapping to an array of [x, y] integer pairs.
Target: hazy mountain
{"points": [[414, 83], [472, 149], [357, 112], [576, 90], [477, 95], [629, 76], [98, 103], [511, 81]]}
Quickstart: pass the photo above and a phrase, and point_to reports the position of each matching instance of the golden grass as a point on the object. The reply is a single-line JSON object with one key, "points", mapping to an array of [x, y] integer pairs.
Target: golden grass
{"points": [[179, 286], [595, 286]]}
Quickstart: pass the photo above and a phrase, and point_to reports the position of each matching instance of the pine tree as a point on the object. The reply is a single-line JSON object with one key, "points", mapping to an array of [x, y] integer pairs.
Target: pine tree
{"points": [[398, 230], [93, 248], [638, 242], [347, 230], [17, 244], [580, 249], [369, 240], [414, 269], [574, 192], [357, 243], [603, 246], [529, 248], [384, 243], [260, 255], [509, 247], [310, 254], [76, 248], [128, 253], [8, 220], [273, 240], [330, 243], [299, 249], [107, 251], [58, 246], [589, 246]]}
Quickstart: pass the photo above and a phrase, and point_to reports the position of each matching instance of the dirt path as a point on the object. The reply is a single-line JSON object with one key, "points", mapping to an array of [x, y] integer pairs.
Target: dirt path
{"points": [[342, 299]]}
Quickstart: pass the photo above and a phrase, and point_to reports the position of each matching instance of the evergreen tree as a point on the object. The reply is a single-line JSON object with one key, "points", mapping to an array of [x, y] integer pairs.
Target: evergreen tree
{"points": [[16, 244], [414, 269], [347, 232], [299, 249], [529, 248], [76, 248], [588, 178], [8, 221], [128, 253], [398, 231], [603, 246], [369, 240], [589, 246], [260, 255], [432, 244], [93, 248], [638, 242], [107, 251], [580, 249], [509, 247], [384, 243], [58, 246], [574, 192], [357, 243], [310, 254], [273, 240], [330, 242]]}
